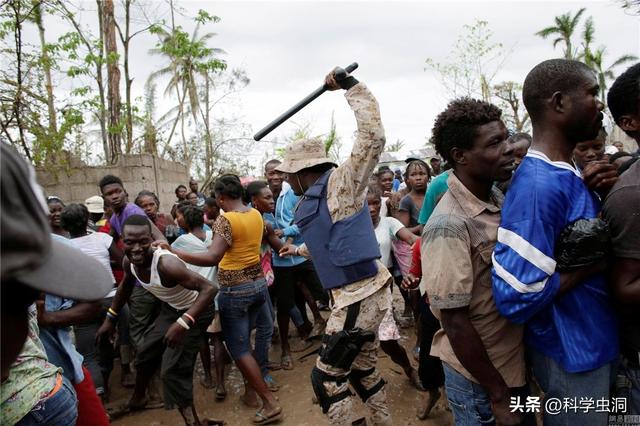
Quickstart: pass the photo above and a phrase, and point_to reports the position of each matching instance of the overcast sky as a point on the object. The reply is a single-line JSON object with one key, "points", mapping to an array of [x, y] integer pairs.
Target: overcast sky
{"points": [[286, 48]]}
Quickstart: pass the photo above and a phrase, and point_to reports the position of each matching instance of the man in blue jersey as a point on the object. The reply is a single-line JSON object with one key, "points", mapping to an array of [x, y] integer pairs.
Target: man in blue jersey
{"points": [[570, 333], [622, 212]]}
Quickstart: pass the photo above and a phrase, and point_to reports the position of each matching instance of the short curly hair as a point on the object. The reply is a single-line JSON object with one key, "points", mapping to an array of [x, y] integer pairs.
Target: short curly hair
{"points": [[455, 127], [109, 180], [624, 93]]}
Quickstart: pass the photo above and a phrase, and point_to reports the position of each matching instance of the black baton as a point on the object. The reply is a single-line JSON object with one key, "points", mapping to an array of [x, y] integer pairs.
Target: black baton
{"points": [[340, 75]]}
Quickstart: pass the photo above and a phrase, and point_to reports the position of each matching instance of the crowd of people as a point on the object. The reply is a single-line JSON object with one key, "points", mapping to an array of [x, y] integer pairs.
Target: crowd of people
{"points": [[515, 259]]}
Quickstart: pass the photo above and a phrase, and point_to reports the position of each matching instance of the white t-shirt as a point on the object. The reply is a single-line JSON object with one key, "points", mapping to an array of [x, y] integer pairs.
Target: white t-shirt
{"points": [[192, 244], [97, 246], [385, 233]]}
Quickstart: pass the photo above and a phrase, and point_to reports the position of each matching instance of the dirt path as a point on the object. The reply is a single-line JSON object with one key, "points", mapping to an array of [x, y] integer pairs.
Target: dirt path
{"points": [[295, 395]]}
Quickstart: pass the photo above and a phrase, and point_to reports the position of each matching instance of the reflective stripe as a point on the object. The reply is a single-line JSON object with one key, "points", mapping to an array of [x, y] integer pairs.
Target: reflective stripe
{"points": [[527, 251], [514, 282]]}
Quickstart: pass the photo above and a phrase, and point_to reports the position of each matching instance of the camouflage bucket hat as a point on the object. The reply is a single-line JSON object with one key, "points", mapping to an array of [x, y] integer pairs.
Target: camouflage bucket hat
{"points": [[302, 155]]}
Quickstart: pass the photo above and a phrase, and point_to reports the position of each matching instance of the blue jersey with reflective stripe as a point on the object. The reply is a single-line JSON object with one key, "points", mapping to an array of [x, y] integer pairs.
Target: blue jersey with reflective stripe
{"points": [[578, 329]]}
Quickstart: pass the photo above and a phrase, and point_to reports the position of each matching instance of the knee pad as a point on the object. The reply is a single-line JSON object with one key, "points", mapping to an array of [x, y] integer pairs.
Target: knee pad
{"points": [[318, 379], [355, 378]]}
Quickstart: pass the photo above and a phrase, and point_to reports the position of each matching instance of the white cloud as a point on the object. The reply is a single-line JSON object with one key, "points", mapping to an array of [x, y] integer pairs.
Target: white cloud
{"points": [[287, 48]]}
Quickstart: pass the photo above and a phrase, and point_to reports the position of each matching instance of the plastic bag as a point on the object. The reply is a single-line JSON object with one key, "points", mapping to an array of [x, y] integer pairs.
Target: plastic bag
{"points": [[581, 243]]}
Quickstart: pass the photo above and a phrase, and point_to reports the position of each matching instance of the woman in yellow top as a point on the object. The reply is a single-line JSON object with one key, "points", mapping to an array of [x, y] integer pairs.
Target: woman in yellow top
{"points": [[243, 298]]}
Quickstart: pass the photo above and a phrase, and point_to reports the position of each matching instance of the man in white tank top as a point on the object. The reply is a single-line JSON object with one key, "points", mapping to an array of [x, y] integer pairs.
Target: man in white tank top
{"points": [[174, 338]]}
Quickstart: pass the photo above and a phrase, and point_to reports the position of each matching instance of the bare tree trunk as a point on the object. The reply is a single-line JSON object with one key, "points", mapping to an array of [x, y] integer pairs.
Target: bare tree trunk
{"points": [[46, 67], [17, 102], [102, 114], [175, 123], [113, 79], [207, 138], [185, 147], [127, 80]]}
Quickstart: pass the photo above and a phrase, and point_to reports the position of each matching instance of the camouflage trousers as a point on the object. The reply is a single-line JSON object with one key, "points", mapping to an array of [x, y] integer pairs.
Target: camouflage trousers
{"points": [[372, 310]]}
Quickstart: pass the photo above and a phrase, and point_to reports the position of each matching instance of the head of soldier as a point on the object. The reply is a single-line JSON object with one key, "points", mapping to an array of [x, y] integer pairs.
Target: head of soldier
{"points": [[304, 162]]}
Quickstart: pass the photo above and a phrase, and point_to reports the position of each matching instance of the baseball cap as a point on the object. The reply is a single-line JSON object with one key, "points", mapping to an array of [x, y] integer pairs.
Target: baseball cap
{"points": [[29, 254], [95, 204]]}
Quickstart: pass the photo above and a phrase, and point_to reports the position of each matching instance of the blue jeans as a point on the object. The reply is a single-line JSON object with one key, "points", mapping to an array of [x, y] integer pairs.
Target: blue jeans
{"points": [[555, 382], [59, 410], [243, 307], [469, 402]]}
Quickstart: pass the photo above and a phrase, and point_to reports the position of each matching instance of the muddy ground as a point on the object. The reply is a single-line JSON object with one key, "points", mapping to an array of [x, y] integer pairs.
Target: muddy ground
{"points": [[295, 395]]}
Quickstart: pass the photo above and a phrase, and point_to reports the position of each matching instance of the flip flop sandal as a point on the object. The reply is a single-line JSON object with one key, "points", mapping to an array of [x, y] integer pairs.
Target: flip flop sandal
{"points": [[262, 419], [287, 362]]}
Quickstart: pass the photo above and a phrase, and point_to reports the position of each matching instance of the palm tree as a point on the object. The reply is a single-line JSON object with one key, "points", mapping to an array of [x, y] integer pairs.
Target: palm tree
{"points": [[594, 60], [189, 56], [565, 26]]}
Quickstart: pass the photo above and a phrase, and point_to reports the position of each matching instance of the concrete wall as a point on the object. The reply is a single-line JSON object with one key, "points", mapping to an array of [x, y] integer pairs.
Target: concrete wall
{"points": [[78, 182]]}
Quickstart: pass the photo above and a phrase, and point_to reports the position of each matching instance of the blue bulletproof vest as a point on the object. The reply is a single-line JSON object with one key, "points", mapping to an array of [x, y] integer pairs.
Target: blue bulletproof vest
{"points": [[343, 252]]}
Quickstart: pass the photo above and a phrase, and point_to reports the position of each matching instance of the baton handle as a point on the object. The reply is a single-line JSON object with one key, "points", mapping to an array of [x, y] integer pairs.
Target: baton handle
{"points": [[340, 75]]}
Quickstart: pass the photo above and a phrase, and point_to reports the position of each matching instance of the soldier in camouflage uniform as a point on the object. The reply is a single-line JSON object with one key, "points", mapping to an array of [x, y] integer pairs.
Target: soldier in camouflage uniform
{"points": [[332, 209]]}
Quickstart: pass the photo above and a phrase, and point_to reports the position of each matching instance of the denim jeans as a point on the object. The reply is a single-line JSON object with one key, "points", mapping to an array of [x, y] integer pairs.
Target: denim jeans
{"points": [[61, 409], [557, 383], [469, 402], [242, 307]]}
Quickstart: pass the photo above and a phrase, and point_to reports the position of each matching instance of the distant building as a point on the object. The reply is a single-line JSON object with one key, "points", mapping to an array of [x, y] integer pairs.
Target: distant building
{"points": [[394, 160]]}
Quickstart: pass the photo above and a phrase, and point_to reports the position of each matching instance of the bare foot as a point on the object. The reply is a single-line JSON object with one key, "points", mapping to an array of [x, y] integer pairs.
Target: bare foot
{"points": [[415, 379], [432, 397], [250, 400], [206, 381]]}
